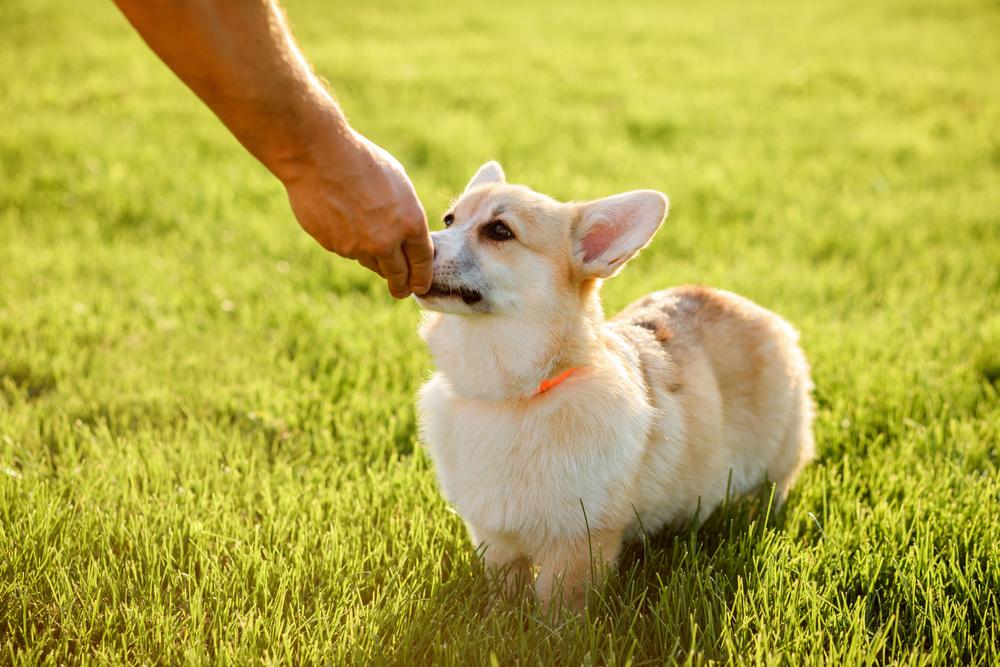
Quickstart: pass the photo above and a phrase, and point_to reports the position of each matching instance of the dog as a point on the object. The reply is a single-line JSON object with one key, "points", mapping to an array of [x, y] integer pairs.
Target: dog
{"points": [[558, 435]]}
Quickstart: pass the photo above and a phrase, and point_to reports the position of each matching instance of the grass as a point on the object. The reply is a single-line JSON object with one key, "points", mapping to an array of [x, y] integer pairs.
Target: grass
{"points": [[208, 449]]}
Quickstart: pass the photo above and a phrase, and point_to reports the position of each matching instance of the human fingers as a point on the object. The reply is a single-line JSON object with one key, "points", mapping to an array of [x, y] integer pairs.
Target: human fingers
{"points": [[396, 272], [371, 264], [419, 253]]}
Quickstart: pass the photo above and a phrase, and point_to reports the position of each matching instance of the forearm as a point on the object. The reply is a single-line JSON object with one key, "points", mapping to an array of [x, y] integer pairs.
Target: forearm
{"points": [[239, 57]]}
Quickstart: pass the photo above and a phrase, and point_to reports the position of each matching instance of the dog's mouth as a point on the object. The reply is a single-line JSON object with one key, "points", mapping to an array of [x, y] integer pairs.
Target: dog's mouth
{"points": [[468, 295]]}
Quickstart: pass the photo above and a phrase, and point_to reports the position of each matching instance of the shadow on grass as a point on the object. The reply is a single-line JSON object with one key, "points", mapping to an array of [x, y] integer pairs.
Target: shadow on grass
{"points": [[684, 579]]}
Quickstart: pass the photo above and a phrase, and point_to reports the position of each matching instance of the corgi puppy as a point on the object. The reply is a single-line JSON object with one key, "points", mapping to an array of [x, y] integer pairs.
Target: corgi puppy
{"points": [[558, 435]]}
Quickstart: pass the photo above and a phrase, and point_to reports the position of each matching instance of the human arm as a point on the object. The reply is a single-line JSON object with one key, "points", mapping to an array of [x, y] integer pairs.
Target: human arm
{"points": [[352, 196]]}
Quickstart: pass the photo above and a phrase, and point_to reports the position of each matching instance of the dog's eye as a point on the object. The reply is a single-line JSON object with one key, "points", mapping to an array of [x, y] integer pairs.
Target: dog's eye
{"points": [[498, 231], [448, 219]]}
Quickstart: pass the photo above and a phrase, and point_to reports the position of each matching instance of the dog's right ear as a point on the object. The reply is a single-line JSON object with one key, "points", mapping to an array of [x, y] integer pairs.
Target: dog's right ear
{"points": [[490, 173], [609, 231]]}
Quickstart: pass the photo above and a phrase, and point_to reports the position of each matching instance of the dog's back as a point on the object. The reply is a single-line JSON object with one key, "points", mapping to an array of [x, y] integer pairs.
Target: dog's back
{"points": [[742, 383]]}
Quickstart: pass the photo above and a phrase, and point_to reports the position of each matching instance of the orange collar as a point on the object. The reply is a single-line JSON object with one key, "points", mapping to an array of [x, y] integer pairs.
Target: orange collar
{"points": [[552, 383]]}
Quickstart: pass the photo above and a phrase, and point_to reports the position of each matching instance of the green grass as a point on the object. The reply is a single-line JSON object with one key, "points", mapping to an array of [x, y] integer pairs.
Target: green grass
{"points": [[208, 449]]}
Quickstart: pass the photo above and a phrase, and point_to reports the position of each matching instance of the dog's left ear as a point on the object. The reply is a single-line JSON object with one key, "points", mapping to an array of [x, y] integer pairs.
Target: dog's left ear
{"points": [[608, 232], [488, 174]]}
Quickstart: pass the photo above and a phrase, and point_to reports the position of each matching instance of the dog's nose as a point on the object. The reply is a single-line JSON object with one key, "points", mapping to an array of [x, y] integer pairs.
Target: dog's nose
{"points": [[436, 241]]}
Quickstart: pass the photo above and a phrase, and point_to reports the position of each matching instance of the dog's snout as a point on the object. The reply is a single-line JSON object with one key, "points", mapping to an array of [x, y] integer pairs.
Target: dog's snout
{"points": [[441, 243]]}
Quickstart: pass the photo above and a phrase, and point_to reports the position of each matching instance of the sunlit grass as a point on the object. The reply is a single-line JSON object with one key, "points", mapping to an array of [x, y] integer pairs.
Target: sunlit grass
{"points": [[207, 436]]}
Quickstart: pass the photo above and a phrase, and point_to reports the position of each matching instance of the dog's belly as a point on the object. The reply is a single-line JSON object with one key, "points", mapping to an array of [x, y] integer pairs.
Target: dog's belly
{"points": [[547, 471]]}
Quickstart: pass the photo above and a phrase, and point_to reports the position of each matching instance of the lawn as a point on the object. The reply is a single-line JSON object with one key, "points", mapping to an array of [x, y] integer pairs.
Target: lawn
{"points": [[208, 445]]}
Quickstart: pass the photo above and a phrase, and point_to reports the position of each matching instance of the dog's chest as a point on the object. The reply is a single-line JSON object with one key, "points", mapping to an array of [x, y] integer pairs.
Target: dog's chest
{"points": [[549, 468]]}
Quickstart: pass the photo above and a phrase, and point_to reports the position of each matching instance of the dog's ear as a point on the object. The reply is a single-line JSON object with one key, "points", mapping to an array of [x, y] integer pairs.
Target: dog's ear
{"points": [[608, 232], [488, 174]]}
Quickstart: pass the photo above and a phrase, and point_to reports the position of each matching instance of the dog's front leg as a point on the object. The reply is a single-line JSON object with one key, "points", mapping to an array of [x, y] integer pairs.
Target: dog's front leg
{"points": [[507, 563], [569, 567]]}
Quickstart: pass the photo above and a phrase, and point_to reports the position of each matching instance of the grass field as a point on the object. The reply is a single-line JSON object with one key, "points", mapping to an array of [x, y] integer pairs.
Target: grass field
{"points": [[208, 449]]}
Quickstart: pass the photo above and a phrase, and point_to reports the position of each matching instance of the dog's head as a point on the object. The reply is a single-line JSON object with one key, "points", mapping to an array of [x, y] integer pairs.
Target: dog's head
{"points": [[508, 250]]}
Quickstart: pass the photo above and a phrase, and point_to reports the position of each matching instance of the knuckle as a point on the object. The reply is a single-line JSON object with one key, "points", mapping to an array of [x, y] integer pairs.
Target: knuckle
{"points": [[415, 229], [381, 247], [396, 275], [424, 262]]}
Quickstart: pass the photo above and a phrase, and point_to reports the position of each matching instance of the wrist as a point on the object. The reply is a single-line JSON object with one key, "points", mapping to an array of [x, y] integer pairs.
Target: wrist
{"points": [[313, 131]]}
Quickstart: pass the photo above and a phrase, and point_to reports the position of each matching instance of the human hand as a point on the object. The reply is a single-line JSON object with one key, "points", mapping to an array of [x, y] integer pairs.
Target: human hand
{"points": [[356, 200]]}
